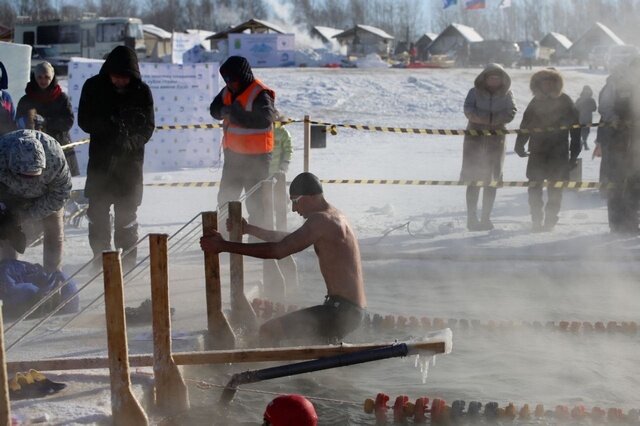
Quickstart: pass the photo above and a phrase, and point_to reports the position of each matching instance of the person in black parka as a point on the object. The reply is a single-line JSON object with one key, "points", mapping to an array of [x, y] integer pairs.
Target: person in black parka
{"points": [[44, 94], [116, 109], [552, 154]]}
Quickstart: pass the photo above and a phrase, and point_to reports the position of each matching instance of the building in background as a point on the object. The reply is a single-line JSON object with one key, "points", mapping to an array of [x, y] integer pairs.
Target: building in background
{"points": [[363, 40]]}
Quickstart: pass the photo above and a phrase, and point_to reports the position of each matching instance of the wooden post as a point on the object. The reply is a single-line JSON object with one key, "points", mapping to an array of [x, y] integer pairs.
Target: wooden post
{"points": [[241, 311], [220, 335], [171, 395], [5, 405], [307, 142], [125, 409], [272, 278]]}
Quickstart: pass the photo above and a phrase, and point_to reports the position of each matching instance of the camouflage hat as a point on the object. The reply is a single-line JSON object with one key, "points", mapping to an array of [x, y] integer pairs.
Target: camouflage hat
{"points": [[26, 155]]}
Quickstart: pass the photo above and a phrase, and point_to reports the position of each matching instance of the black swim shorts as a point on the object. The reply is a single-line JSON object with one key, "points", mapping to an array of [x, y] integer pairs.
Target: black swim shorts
{"points": [[326, 323]]}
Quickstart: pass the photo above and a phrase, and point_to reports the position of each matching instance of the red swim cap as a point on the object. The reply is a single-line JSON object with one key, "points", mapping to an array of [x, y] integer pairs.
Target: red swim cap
{"points": [[291, 410]]}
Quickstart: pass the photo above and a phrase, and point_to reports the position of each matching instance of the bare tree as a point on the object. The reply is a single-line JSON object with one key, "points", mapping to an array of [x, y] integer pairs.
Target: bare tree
{"points": [[7, 13]]}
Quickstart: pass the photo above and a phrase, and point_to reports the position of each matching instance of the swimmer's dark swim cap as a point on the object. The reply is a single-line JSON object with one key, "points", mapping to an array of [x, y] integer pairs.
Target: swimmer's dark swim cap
{"points": [[305, 184]]}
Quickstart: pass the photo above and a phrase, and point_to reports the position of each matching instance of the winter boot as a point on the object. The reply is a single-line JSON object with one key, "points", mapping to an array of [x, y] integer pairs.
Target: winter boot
{"points": [[485, 224], [473, 224]]}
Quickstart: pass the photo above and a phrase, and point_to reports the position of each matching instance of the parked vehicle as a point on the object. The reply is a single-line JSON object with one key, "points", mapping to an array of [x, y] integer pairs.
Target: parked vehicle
{"points": [[51, 55], [496, 51], [598, 57], [86, 37], [620, 55]]}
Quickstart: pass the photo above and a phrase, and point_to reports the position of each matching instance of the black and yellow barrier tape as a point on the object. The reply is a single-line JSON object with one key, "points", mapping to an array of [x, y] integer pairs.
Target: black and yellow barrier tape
{"points": [[417, 182], [207, 126], [332, 128]]}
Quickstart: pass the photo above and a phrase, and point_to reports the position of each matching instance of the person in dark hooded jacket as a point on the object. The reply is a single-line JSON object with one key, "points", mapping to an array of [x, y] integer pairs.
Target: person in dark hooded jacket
{"points": [[623, 152], [489, 106], [586, 106], [116, 109], [7, 110], [551, 154], [44, 94], [246, 107]]}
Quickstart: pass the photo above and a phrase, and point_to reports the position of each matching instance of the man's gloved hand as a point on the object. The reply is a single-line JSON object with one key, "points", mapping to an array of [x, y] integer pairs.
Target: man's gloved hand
{"points": [[519, 149], [132, 143], [284, 166], [236, 108], [11, 230], [118, 125], [225, 110]]}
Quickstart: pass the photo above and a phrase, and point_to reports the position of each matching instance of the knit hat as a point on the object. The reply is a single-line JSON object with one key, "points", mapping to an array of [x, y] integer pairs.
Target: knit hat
{"points": [[237, 68], [44, 68], [305, 184], [26, 154]]}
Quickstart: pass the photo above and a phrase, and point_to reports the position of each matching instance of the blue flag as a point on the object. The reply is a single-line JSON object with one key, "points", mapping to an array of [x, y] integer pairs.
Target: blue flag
{"points": [[447, 3]]}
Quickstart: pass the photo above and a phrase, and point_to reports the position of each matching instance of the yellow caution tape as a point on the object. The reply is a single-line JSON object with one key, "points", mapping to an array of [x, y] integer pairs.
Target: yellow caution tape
{"points": [[491, 184]]}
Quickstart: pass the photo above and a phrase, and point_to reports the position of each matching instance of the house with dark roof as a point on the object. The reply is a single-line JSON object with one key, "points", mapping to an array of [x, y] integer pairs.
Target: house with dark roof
{"points": [[252, 26], [597, 35], [325, 34], [423, 43], [560, 44], [157, 42], [454, 39], [362, 40]]}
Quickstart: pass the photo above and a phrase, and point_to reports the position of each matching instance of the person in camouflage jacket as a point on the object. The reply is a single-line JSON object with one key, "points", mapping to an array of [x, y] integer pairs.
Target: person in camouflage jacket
{"points": [[35, 184]]}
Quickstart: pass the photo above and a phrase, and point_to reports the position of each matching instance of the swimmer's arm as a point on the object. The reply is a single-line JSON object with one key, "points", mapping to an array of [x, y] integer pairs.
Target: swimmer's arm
{"points": [[297, 241], [258, 232], [264, 234]]}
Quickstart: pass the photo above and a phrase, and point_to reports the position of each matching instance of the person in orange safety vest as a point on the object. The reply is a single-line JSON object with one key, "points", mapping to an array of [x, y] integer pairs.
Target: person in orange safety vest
{"points": [[246, 107]]}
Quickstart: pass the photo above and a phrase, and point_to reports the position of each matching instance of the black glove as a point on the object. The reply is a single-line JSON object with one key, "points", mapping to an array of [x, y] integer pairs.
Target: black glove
{"points": [[284, 166], [11, 230], [132, 143], [119, 125], [519, 149]]}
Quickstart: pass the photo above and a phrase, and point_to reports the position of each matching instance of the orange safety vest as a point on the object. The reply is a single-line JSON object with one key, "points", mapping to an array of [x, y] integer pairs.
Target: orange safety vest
{"points": [[241, 139]]}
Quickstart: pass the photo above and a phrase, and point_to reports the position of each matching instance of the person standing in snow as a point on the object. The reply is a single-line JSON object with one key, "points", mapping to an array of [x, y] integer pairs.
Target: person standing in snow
{"points": [[552, 154], [116, 109], [246, 107], [611, 147], [586, 106], [44, 94], [7, 109], [35, 183], [282, 148], [489, 106], [624, 152]]}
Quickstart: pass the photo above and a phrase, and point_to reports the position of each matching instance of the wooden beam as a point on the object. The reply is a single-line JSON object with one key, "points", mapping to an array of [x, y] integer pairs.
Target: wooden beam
{"points": [[215, 357]]}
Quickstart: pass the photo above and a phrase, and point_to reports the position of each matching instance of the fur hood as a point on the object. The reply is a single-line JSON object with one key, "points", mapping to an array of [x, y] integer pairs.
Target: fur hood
{"points": [[546, 74], [480, 82]]}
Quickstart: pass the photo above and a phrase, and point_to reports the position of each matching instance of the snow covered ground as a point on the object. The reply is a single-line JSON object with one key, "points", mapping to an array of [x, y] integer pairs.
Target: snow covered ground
{"points": [[419, 259]]}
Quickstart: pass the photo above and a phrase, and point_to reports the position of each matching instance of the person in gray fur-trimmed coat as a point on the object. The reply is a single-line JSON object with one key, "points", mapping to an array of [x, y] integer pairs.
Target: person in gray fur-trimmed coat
{"points": [[489, 106], [552, 154]]}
